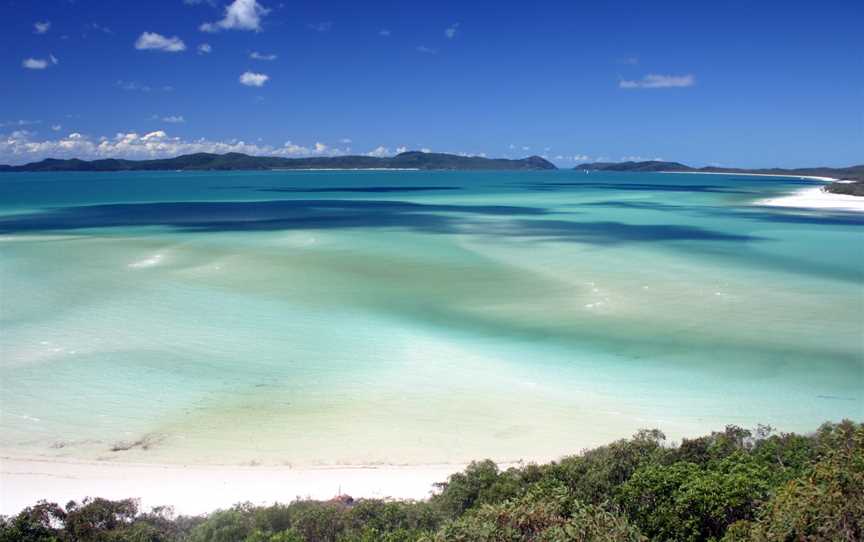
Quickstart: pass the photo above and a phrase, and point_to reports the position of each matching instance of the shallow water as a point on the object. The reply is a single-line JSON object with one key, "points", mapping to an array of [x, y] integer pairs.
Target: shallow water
{"points": [[414, 317]]}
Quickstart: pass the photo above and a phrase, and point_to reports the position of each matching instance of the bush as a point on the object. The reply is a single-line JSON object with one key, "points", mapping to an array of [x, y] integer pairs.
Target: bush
{"points": [[827, 503], [37, 523], [594, 475], [545, 513], [689, 502]]}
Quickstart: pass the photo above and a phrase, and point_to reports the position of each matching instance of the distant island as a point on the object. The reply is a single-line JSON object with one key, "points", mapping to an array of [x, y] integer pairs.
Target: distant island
{"points": [[239, 161], [851, 173]]}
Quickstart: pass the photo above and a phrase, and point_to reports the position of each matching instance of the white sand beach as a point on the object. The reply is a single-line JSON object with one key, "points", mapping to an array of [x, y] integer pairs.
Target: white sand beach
{"points": [[816, 198], [201, 489], [807, 198]]}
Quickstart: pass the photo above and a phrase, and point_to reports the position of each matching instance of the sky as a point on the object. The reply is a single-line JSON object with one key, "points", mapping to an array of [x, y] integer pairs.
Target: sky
{"points": [[732, 83]]}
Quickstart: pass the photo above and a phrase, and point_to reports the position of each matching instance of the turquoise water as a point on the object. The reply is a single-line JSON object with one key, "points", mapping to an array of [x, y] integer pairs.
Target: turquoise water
{"points": [[311, 318]]}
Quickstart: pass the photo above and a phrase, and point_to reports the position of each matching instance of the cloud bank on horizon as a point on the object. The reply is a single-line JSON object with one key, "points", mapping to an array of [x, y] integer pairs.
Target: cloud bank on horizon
{"points": [[22, 148], [228, 72], [155, 144]]}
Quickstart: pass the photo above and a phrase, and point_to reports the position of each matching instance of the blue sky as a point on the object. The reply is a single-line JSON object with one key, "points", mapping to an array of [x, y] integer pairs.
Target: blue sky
{"points": [[746, 83]]}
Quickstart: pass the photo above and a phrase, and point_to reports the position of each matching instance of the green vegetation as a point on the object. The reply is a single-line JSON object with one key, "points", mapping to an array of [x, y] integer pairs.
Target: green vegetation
{"points": [[730, 486], [849, 189], [648, 165], [238, 161]]}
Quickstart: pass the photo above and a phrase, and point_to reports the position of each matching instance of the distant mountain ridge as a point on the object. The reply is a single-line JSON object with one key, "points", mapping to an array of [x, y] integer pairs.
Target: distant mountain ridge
{"points": [[239, 161], [851, 173]]}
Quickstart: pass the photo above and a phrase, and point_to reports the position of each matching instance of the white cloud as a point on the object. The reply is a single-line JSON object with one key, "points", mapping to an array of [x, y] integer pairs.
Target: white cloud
{"points": [[19, 147], [384, 33], [41, 27], [56, 127], [321, 27], [158, 42], [660, 81], [379, 151], [34, 63], [426, 50], [345, 140], [573, 158], [450, 31], [135, 86], [630, 60], [640, 159], [204, 48], [105, 29], [174, 119], [261, 56], [154, 136], [252, 79], [239, 15], [293, 150], [53, 59], [401, 149], [132, 85], [425, 150]]}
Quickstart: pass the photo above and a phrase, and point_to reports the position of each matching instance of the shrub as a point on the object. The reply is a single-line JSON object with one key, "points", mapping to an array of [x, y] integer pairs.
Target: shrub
{"points": [[827, 503], [594, 475], [545, 513]]}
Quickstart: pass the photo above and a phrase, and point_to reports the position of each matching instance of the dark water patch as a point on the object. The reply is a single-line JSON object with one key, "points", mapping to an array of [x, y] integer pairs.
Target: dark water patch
{"points": [[814, 217], [637, 187], [608, 232], [763, 214], [344, 214], [362, 189], [637, 205], [262, 215]]}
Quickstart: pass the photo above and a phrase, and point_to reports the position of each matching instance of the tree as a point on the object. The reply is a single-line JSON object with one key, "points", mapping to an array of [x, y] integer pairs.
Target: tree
{"points": [[827, 503], [545, 513], [39, 523], [594, 475]]}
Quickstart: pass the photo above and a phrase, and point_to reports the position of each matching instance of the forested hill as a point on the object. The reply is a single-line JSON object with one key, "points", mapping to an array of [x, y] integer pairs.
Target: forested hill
{"points": [[851, 172], [238, 161]]}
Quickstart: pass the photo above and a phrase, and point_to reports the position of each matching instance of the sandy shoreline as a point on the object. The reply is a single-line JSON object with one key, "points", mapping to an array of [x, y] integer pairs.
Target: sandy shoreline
{"points": [[806, 198], [816, 198], [202, 489]]}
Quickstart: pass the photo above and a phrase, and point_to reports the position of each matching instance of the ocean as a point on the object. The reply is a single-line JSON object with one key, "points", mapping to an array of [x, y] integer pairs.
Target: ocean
{"points": [[407, 317]]}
